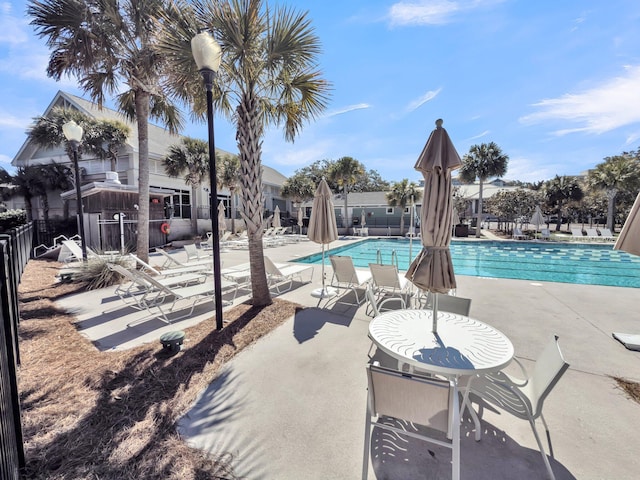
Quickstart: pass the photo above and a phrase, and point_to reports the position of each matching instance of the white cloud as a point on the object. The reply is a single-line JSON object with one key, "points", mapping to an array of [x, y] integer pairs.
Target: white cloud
{"points": [[8, 120], [5, 159], [530, 170], [13, 30], [415, 104], [432, 12], [480, 135], [596, 110], [350, 108]]}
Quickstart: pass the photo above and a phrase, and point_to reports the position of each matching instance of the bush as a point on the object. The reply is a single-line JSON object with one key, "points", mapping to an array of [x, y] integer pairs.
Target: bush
{"points": [[97, 274], [12, 219]]}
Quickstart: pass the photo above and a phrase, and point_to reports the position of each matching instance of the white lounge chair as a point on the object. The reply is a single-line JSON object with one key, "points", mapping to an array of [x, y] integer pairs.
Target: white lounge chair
{"points": [[194, 254], [518, 235], [280, 275], [147, 268], [406, 400], [576, 234], [346, 277], [170, 261], [545, 234], [389, 285], [592, 234], [605, 234], [524, 398]]}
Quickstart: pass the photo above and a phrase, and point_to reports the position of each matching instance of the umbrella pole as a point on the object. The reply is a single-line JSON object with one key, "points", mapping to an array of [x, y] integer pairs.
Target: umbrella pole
{"points": [[434, 328], [323, 278]]}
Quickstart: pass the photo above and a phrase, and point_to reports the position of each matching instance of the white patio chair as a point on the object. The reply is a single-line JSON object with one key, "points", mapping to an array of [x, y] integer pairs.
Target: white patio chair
{"points": [[147, 268], [592, 234], [576, 234], [389, 284], [194, 254], [545, 234], [285, 274], [450, 303], [605, 234], [170, 261], [430, 405], [525, 398], [346, 277], [518, 235]]}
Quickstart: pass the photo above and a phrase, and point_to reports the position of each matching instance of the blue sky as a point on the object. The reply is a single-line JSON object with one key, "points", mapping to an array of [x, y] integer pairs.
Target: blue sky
{"points": [[555, 84]]}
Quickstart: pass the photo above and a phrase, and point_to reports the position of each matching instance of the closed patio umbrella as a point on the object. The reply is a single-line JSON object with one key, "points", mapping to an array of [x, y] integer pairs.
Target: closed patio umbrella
{"points": [[222, 221], [276, 218], [432, 269], [537, 218], [629, 241], [363, 220], [323, 228], [300, 219]]}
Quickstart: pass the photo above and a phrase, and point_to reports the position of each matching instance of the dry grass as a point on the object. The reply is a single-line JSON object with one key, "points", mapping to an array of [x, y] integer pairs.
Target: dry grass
{"points": [[112, 415], [632, 389]]}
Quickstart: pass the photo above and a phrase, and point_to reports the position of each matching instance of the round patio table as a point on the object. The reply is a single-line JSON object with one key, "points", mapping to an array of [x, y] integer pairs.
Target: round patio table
{"points": [[462, 345]]}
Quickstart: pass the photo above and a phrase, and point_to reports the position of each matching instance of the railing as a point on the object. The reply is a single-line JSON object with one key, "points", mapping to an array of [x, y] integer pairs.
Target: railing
{"points": [[15, 251]]}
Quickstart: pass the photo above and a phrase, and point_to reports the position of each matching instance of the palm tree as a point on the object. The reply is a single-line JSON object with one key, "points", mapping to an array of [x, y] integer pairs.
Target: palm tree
{"points": [[345, 172], [229, 177], [401, 194], [191, 159], [29, 184], [299, 188], [105, 44], [105, 139], [559, 191], [615, 174], [268, 76], [482, 162]]}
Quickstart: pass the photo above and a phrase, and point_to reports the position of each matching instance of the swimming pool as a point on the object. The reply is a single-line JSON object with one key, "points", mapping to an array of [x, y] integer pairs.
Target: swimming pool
{"points": [[588, 264]]}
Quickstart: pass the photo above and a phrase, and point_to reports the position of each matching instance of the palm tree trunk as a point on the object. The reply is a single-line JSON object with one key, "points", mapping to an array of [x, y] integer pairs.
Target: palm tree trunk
{"points": [[346, 206], [480, 208], [559, 222], [611, 206], [233, 210], [194, 210], [142, 118], [250, 151], [402, 221]]}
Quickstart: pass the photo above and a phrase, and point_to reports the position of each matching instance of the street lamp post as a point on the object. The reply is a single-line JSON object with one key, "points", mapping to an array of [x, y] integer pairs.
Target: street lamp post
{"points": [[73, 133], [208, 54]]}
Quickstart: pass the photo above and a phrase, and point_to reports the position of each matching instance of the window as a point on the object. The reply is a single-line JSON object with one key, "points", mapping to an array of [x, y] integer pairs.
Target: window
{"points": [[179, 204], [389, 210], [407, 210]]}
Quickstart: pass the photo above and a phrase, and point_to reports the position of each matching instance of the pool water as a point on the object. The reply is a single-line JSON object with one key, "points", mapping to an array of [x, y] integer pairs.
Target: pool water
{"points": [[589, 264]]}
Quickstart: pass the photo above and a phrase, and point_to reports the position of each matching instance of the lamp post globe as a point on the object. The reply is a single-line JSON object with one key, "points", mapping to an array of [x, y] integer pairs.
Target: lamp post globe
{"points": [[73, 133], [208, 55]]}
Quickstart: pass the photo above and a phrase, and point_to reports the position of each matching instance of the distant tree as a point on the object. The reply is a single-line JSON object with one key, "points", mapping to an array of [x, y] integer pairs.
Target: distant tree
{"points": [[513, 204], [345, 172], [370, 181], [298, 188], [29, 184], [400, 195], [559, 191], [482, 162], [189, 159], [229, 176], [105, 138], [615, 174]]}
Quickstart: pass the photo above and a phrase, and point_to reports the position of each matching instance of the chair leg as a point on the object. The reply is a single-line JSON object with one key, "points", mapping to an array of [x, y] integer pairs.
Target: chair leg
{"points": [[546, 428], [367, 446], [542, 451]]}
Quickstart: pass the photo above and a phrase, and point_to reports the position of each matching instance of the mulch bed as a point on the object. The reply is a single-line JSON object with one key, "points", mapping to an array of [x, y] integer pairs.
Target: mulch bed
{"points": [[112, 415]]}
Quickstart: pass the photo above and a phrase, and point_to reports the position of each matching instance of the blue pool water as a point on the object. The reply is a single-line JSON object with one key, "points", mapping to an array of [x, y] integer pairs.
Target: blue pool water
{"points": [[589, 264]]}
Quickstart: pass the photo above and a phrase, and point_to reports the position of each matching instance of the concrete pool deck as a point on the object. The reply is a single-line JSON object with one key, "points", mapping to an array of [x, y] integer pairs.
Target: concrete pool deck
{"points": [[292, 406]]}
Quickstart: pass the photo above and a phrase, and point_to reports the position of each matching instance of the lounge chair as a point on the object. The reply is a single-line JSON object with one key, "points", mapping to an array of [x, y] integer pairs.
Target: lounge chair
{"points": [[592, 234], [400, 401], [518, 235], [147, 268], [194, 254], [285, 274], [525, 398], [389, 284], [241, 274], [545, 234], [161, 301], [72, 252], [576, 234], [605, 234], [171, 262], [346, 277]]}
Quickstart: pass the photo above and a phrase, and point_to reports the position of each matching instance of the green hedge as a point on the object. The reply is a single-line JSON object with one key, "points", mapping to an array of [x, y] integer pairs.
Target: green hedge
{"points": [[11, 219]]}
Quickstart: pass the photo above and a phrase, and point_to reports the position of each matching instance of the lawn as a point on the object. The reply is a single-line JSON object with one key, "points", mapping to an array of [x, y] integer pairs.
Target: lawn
{"points": [[112, 415]]}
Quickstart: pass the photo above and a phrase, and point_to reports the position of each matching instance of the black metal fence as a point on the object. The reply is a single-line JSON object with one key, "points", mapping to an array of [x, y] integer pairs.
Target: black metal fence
{"points": [[15, 251]]}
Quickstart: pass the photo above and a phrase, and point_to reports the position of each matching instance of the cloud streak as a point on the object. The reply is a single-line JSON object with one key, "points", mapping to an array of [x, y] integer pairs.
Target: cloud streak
{"points": [[350, 108], [433, 12], [596, 110], [417, 103]]}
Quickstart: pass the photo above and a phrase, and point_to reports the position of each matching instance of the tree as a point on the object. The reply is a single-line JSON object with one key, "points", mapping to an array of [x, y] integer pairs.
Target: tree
{"points": [[559, 192], [401, 195], [229, 177], [345, 172], [105, 139], [299, 188], [268, 76], [189, 158], [482, 162], [512, 204], [621, 172], [29, 184], [370, 181], [107, 43]]}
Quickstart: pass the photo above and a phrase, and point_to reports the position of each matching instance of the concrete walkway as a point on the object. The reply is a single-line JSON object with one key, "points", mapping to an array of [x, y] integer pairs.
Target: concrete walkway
{"points": [[292, 406]]}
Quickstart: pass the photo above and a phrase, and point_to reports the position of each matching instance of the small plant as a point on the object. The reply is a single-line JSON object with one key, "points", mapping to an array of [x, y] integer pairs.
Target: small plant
{"points": [[97, 274]]}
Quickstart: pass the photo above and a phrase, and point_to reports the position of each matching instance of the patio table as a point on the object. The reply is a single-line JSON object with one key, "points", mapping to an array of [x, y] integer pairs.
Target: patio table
{"points": [[461, 348]]}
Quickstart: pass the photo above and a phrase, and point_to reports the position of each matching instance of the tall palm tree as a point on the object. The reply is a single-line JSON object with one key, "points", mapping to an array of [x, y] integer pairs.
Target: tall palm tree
{"points": [[108, 45], [482, 162], [345, 172], [559, 191], [401, 195], [105, 139], [229, 176], [268, 77], [189, 158], [615, 174], [29, 184]]}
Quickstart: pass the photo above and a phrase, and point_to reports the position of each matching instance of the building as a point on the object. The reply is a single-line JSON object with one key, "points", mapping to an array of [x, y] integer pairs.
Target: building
{"points": [[177, 197]]}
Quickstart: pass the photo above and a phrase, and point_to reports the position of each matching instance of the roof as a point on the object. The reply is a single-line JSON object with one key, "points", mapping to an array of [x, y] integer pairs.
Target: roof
{"points": [[97, 187]]}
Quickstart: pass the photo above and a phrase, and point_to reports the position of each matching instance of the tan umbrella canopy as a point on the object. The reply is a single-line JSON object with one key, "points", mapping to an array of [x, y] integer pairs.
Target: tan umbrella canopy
{"points": [[300, 219], [629, 238], [323, 228], [276, 218], [432, 269], [537, 218], [363, 218], [222, 222]]}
